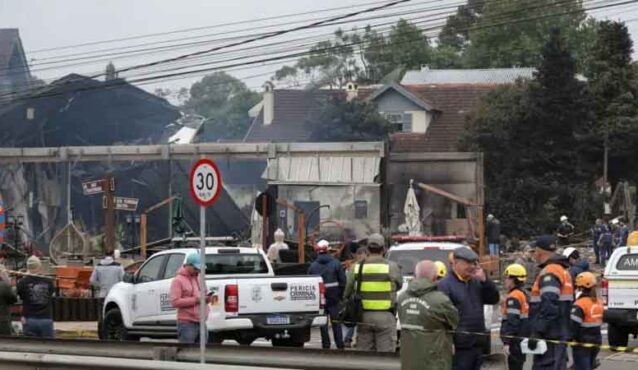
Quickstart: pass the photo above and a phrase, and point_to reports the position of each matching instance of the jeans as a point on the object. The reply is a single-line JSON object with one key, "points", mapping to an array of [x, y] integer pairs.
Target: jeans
{"points": [[42, 328], [467, 358], [584, 358], [605, 253], [596, 252], [494, 249], [349, 333], [188, 332], [333, 312]]}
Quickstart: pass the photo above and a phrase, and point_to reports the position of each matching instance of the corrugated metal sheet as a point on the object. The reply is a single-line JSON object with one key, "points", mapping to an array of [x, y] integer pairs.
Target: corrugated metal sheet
{"points": [[466, 76], [323, 170]]}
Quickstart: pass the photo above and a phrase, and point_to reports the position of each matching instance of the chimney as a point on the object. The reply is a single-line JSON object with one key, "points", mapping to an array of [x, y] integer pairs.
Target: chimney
{"points": [[269, 102], [352, 90]]}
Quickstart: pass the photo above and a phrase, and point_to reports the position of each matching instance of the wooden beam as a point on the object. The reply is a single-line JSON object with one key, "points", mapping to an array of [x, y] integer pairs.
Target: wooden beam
{"points": [[447, 195]]}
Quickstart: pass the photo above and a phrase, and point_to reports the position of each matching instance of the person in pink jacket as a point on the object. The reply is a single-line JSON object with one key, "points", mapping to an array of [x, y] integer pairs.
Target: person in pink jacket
{"points": [[185, 297]]}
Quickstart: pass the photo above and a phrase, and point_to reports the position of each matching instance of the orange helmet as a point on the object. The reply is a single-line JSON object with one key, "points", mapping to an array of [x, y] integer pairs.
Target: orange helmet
{"points": [[632, 240], [586, 280]]}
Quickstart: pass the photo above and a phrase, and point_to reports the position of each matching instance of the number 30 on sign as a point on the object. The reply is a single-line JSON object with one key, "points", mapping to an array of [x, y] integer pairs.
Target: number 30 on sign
{"points": [[205, 182]]}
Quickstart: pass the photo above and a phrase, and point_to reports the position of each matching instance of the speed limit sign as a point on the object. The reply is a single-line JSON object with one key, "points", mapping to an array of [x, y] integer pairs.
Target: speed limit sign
{"points": [[205, 182]]}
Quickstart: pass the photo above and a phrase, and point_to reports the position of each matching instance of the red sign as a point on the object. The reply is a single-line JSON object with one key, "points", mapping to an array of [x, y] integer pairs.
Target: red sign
{"points": [[205, 182]]}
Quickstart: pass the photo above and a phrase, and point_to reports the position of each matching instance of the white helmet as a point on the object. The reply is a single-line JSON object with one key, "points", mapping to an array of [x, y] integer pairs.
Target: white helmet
{"points": [[569, 251], [563, 218]]}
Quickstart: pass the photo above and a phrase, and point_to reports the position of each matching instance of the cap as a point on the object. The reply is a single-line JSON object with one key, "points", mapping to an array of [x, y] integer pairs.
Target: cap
{"points": [[545, 242], [466, 254], [376, 239], [194, 260]]}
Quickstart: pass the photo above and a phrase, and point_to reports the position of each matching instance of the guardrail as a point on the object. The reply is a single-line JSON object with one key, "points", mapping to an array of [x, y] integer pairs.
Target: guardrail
{"points": [[108, 352]]}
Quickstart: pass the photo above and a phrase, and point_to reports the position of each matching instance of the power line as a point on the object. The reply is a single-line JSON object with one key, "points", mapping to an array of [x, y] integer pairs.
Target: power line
{"points": [[154, 79]]}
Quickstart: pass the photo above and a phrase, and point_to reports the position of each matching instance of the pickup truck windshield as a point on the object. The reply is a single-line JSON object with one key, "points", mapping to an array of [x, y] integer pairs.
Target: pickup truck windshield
{"points": [[224, 264], [408, 259]]}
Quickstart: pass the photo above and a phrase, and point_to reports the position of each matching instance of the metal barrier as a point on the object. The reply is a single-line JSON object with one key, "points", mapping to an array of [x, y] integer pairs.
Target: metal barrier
{"points": [[74, 309], [282, 358]]}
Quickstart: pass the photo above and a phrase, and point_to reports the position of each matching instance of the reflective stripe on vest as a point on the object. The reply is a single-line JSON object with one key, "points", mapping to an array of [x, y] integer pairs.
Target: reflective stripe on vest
{"points": [[376, 287], [566, 290], [332, 285]]}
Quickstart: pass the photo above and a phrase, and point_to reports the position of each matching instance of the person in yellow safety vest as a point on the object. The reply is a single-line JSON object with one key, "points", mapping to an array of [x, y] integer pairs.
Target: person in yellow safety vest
{"points": [[586, 320], [441, 270], [550, 305], [380, 279], [515, 313]]}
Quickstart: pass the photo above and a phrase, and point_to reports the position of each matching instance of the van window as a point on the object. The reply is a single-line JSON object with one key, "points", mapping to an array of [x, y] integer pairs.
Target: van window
{"points": [[235, 263], [407, 259], [628, 262]]}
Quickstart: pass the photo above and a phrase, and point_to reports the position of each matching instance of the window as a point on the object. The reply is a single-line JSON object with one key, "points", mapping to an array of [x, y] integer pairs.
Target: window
{"points": [[150, 270], [400, 122], [628, 262], [222, 264], [175, 261], [360, 209], [460, 211]]}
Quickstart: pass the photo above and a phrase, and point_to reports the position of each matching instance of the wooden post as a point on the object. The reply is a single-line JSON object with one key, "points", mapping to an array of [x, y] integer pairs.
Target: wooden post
{"points": [[143, 239], [109, 215], [481, 231], [302, 238], [264, 223]]}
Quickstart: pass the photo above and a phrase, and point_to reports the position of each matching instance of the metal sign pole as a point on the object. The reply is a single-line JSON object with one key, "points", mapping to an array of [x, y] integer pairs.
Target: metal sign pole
{"points": [[202, 284]]}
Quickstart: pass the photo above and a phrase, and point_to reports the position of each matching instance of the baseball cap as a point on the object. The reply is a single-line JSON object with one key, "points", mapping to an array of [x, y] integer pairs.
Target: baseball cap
{"points": [[194, 260], [376, 239], [466, 254], [545, 242]]}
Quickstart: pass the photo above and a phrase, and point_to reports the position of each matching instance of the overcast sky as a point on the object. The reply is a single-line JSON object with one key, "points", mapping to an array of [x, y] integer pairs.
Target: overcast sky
{"points": [[46, 24]]}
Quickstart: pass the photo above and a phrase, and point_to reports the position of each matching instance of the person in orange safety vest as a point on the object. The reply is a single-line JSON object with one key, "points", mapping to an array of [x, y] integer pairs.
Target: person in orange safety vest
{"points": [[586, 321], [515, 313]]}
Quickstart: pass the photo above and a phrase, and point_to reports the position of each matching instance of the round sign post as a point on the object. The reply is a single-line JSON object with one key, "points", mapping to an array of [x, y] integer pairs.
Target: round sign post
{"points": [[205, 188]]}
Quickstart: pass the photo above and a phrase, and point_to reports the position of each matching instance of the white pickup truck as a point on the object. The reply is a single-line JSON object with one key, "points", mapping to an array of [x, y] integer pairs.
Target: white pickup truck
{"points": [[620, 294], [249, 302], [407, 255]]}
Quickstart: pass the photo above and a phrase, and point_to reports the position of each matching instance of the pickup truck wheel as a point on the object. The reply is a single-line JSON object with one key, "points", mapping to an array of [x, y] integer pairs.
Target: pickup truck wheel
{"points": [[617, 337], [114, 326], [287, 342]]}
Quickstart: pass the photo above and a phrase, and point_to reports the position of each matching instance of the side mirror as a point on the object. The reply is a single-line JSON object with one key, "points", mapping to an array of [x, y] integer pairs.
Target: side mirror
{"points": [[128, 278]]}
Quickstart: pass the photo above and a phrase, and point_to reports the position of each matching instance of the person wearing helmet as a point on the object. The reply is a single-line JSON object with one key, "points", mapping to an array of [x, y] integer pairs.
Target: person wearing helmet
{"points": [[441, 270], [586, 321], [515, 313], [334, 280], [577, 264], [184, 295], [564, 231]]}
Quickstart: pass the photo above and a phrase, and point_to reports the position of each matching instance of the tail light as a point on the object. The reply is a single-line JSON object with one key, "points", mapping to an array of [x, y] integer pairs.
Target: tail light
{"points": [[604, 290], [322, 296], [231, 300]]}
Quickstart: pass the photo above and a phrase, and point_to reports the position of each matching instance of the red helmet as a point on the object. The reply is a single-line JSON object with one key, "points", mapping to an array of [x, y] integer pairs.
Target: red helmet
{"points": [[322, 246]]}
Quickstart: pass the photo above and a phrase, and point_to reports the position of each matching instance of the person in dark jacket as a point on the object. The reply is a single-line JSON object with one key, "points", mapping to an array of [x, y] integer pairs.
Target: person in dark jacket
{"points": [[7, 299], [515, 312], [334, 279], [493, 233], [577, 264], [428, 318], [550, 305], [469, 289], [605, 242], [36, 293], [564, 231]]}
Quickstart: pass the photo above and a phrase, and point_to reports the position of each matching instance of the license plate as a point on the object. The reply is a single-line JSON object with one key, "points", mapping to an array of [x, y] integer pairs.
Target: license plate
{"points": [[277, 320]]}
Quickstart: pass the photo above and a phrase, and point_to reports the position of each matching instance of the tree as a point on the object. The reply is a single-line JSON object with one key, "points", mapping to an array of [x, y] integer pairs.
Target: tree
{"points": [[225, 102], [613, 83], [456, 32], [539, 123], [509, 33], [342, 120]]}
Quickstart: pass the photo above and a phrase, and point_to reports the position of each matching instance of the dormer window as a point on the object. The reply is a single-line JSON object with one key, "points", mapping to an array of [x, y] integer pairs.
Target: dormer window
{"points": [[399, 121]]}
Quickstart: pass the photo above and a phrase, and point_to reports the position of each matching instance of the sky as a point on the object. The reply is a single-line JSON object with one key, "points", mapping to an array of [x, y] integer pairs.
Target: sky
{"points": [[62, 25]]}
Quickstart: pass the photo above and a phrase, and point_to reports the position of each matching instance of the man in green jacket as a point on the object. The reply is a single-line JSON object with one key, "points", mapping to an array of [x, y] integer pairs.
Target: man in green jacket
{"points": [[427, 318]]}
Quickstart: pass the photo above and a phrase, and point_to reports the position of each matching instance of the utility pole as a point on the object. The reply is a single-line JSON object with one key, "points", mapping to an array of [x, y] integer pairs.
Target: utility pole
{"points": [[109, 214], [606, 207]]}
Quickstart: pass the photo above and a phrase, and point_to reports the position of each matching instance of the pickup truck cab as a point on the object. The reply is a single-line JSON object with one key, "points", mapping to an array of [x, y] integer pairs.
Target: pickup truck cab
{"points": [[249, 301], [407, 255], [620, 294]]}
